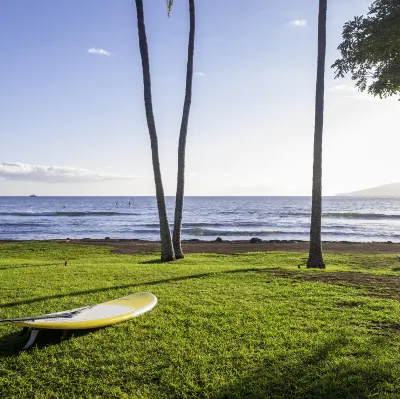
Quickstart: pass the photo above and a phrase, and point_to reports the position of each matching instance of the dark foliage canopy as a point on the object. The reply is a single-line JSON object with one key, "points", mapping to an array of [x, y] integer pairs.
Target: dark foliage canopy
{"points": [[370, 50]]}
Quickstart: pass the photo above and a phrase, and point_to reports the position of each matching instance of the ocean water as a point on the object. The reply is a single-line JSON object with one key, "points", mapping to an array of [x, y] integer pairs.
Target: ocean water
{"points": [[231, 218]]}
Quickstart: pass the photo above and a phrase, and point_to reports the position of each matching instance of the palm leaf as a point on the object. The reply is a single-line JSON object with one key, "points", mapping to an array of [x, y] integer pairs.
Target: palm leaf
{"points": [[169, 6]]}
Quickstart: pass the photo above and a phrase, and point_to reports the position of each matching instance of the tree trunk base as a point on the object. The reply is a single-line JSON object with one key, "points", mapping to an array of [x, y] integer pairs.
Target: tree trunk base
{"points": [[168, 258], [315, 264], [177, 247]]}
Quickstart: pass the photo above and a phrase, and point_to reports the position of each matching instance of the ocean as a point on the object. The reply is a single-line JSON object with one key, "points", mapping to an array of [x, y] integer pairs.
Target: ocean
{"points": [[206, 218]]}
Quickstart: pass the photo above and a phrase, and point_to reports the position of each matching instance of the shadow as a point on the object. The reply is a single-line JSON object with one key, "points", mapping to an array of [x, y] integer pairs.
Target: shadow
{"points": [[118, 287], [30, 266], [152, 262], [324, 373], [396, 269], [12, 344]]}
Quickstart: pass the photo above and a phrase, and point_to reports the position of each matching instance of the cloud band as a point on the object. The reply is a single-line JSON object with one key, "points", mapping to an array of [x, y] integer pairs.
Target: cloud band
{"points": [[52, 174]]}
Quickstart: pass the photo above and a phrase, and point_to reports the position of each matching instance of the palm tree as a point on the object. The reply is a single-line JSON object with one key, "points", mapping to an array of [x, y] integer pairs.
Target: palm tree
{"points": [[182, 138], [167, 250], [315, 259]]}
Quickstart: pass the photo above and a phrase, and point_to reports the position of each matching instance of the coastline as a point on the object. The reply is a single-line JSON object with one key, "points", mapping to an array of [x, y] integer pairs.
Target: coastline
{"points": [[136, 246]]}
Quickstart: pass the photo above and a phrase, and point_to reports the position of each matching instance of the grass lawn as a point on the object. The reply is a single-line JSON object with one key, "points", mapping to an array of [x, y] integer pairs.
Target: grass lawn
{"points": [[225, 326]]}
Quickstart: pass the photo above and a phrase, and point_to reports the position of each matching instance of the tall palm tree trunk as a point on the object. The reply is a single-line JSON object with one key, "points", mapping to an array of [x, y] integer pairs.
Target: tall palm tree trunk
{"points": [[167, 250], [315, 259], [182, 138]]}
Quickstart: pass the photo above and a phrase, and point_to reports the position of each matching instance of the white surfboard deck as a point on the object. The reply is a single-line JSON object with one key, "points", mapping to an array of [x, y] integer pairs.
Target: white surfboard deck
{"points": [[96, 316], [101, 315]]}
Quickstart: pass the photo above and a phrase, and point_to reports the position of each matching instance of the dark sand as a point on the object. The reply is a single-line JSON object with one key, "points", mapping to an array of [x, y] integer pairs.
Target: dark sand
{"points": [[230, 247]]}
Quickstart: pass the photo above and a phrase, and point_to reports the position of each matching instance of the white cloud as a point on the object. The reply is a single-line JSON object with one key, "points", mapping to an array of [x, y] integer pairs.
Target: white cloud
{"points": [[343, 88], [357, 95], [52, 174], [201, 74], [298, 22], [364, 96], [99, 51]]}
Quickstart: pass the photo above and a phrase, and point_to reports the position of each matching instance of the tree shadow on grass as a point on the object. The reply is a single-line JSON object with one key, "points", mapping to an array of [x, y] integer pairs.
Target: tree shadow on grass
{"points": [[118, 287], [151, 262], [325, 373], [61, 264], [11, 344]]}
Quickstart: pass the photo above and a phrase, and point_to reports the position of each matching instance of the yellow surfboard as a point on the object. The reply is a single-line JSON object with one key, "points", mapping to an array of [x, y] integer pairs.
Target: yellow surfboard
{"points": [[96, 316]]}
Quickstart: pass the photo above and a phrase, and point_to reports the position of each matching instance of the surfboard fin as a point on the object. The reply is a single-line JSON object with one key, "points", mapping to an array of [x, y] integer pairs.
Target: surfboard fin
{"points": [[32, 339]]}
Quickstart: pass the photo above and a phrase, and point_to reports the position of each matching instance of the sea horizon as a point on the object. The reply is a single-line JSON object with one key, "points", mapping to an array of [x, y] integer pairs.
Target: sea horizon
{"points": [[355, 219], [202, 196]]}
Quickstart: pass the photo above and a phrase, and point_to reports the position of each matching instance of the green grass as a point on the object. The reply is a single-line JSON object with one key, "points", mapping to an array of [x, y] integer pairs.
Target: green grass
{"points": [[236, 326]]}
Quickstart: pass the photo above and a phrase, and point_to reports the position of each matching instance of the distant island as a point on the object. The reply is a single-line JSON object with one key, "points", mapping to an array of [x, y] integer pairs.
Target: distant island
{"points": [[387, 190], [33, 195]]}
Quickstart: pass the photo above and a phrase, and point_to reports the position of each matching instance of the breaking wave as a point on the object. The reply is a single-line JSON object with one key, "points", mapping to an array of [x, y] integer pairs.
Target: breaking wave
{"points": [[56, 213], [355, 215], [198, 231]]}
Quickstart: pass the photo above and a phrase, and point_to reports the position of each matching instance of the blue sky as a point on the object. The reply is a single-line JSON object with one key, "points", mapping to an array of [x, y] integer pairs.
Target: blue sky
{"points": [[72, 114]]}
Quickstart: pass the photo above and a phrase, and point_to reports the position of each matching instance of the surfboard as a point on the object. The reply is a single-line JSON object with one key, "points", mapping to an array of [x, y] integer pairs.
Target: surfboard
{"points": [[96, 316]]}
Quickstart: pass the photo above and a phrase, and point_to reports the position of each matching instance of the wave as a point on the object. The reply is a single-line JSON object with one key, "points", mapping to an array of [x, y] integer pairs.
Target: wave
{"points": [[266, 233], [210, 224], [331, 215], [228, 224], [57, 213], [198, 231], [19, 225], [355, 215], [334, 215]]}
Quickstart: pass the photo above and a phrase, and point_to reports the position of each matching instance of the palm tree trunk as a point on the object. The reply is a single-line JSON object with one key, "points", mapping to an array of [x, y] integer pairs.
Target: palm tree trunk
{"points": [[315, 259], [180, 186], [167, 250]]}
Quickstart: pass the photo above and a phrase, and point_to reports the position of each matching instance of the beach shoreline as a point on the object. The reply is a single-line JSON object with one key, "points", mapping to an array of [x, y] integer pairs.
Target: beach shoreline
{"points": [[136, 246]]}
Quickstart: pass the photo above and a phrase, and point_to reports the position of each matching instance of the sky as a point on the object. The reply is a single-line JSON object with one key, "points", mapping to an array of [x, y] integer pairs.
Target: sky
{"points": [[72, 114]]}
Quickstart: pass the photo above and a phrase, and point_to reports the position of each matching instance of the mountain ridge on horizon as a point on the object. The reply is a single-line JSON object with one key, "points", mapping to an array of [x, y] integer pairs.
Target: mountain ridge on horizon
{"points": [[386, 190]]}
